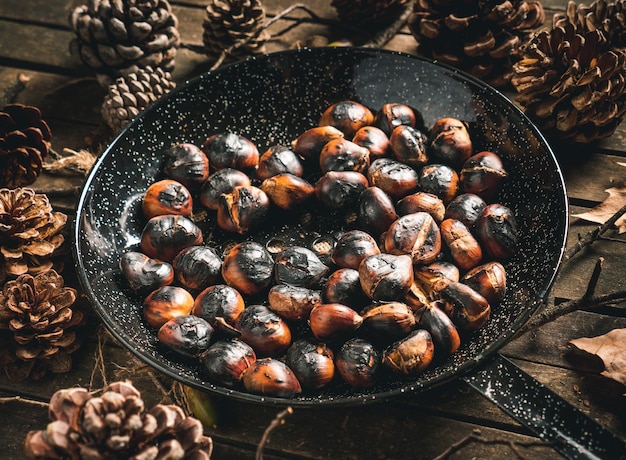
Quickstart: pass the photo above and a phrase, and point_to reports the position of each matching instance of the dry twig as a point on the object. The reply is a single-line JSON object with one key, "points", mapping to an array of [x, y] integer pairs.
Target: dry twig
{"points": [[24, 400], [11, 92], [278, 421]]}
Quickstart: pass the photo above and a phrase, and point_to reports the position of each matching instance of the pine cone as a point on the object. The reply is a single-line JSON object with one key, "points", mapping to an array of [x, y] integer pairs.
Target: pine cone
{"points": [[571, 80], [119, 37], [131, 94], [37, 326], [24, 143], [228, 22], [363, 13], [30, 233], [481, 37], [116, 426]]}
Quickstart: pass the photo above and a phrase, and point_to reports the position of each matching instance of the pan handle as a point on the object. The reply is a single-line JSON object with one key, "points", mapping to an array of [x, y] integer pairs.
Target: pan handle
{"points": [[535, 406]]}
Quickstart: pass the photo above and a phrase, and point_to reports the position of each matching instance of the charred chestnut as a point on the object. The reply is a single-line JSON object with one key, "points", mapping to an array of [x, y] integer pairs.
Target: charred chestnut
{"points": [[376, 211], [466, 208], [165, 303], [394, 114], [373, 139], [467, 308], [410, 355], [450, 141], [197, 267], [388, 321], [143, 273], [344, 286], [231, 150], [435, 276], [462, 245], [422, 202], [299, 266], [357, 362], [496, 230], [287, 191], [393, 177], [482, 174], [243, 209], [187, 335], [264, 330], [221, 182], [293, 303], [339, 189], [187, 164], [440, 180], [416, 298], [344, 155], [248, 267], [309, 144], [386, 276], [489, 280], [279, 159], [167, 196], [271, 377], [352, 248], [444, 333], [408, 145], [347, 116], [221, 306], [311, 362], [333, 321], [165, 236], [226, 361], [416, 235]]}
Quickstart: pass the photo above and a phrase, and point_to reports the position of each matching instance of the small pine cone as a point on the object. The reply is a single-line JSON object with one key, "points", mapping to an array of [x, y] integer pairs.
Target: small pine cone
{"points": [[571, 80], [118, 37], [37, 326], [228, 22], [30, 233], [24, 143], [131, 94], [362, 13], [481, 37], [115, 425]]}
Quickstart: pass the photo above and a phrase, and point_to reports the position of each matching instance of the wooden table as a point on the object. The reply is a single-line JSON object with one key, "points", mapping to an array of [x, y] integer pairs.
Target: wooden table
{"points": [[34, 38]]}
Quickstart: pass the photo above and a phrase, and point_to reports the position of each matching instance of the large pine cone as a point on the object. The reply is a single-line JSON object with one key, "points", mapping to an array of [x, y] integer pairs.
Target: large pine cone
{"points": [[131, 94], [116, 426], [572, 79], [37, 326], [30, 233], [24, 143], [360, 13], [229, 22], [481, 37], [118, 37]]}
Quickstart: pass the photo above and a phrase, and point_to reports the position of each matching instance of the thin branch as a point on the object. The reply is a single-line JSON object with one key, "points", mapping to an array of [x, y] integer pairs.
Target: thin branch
{"points": [[593, 282], [384, 36], [24, 400], [278, 421], [9, 95]]}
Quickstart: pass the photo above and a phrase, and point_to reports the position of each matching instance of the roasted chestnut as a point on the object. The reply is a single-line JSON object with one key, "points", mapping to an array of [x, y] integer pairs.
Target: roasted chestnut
{"points": [[422, 202], [312, 363], [347, 116], [339, 189], [231, 150], [416, 235], [287, 191], [293, 303], [463, 247], [388, 321], [357, 362], [187, 164], [243, 209], [416, 298], [410, 355], [143, 273], [433, 277], [165, 303], [394, 114], [496, 230], [221, 306], [393, 177], [187, 335], [344, 155], [376, 211], [352, 247], [467, 308], [167, 196], [466, 208], [333, 321], [279, 159], [482, 174], [344, 286], [264, 331], [440, 180], [386, 276], [444, 333], [225, 361], [299, 266], [373, 139], [197, 267], [408, 145], [450, 141], [489, 280], [248, 267], [271, 377], [220, 182], [309, 144], [165, 236]]}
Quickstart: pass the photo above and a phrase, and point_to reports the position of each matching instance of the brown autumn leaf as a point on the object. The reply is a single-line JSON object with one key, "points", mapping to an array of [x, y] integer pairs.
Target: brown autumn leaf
{"points": [[611, 349], [605, 210]]}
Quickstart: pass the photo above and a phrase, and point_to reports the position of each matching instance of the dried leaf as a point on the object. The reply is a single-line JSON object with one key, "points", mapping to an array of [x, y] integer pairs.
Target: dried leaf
{"points": [[611, 349], [605, 210]]}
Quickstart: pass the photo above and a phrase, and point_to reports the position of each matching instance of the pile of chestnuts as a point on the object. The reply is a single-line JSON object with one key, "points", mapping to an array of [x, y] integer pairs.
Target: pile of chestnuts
{"points": [[420, 268]]}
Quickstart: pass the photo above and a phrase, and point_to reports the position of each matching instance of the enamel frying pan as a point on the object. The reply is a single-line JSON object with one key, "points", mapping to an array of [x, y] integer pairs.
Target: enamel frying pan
{"points": [[271, 99]]}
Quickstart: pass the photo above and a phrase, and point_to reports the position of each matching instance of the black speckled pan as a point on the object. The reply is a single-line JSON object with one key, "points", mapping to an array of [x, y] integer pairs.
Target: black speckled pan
{"points": [[272, 99]]}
